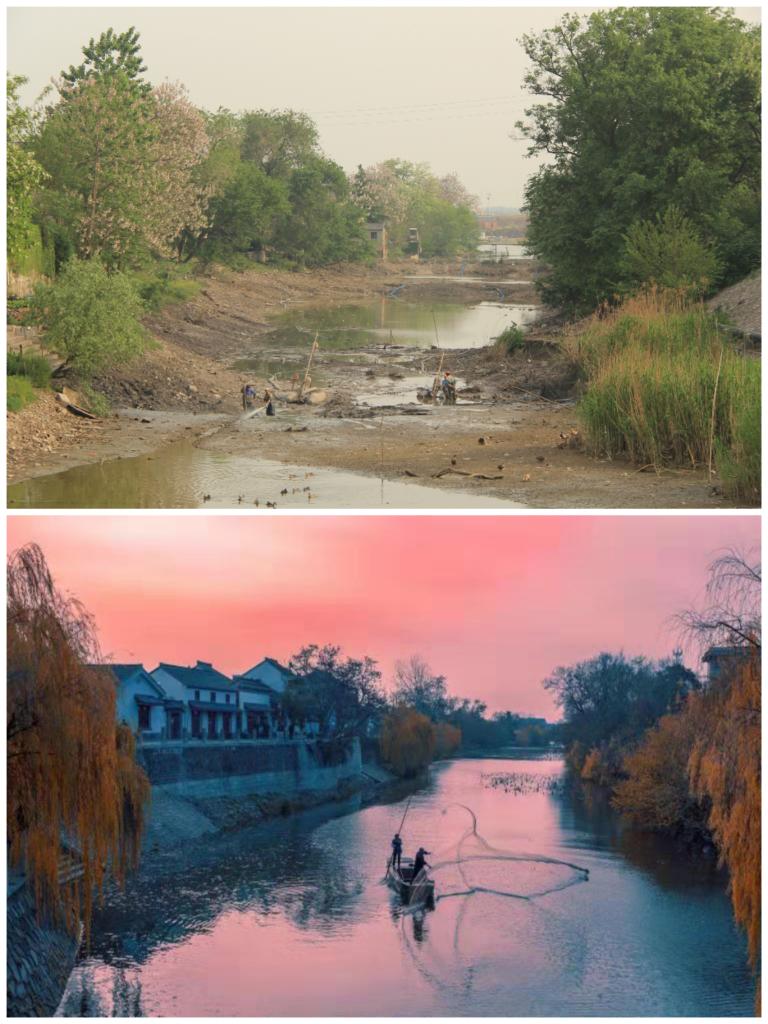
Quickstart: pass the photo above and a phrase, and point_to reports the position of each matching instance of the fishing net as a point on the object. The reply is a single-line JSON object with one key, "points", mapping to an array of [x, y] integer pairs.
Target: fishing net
{"points": [[473, 865], [492, 932]]}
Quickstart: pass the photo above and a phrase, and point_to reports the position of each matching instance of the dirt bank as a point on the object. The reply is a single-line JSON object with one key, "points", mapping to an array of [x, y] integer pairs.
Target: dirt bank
{"points": [[513, 435], [44, 438]]}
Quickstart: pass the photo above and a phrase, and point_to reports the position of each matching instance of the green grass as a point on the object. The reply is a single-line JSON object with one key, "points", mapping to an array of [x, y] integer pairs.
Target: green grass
{"points": [[665, 387], [509, 341], [35, 367], [20, 393], [165, 283]]}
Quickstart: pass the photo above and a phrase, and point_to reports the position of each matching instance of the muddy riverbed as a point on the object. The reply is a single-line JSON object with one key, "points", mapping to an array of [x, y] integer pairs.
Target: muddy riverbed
{"points": [[511, 437]]}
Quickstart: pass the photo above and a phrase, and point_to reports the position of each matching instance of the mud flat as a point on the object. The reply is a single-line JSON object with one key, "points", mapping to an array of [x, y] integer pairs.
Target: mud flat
{"points": [[180, 439]]}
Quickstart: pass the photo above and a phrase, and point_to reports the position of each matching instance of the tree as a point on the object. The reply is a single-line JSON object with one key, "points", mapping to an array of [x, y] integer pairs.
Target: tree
{"points": [[609, 701], [245, 215], [175, 200], [643, 108], [342, 695], [91, 318], [417, 687], [279, 141], [323, 226], [656, 793], [732, 613], [724, 769], [407, 741], [72, 780], [112, 53], [97, 147], [668, 252], [405, 195], [24, 175]]}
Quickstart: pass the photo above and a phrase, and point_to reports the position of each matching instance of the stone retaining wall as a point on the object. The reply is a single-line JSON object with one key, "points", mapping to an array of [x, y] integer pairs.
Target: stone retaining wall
{"points": [[223, 769], [40, 958]]}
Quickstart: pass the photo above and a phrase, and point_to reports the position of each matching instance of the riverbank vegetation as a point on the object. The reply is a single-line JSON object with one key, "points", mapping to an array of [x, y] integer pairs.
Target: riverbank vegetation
{"points": [[113, 177], [681, 755], [414, 723], [666, 387], [650, 118], [75, 793]]}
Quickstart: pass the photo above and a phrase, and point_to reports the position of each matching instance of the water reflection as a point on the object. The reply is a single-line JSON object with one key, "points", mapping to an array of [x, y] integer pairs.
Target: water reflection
{"points": [[396, 321], [181, 476], [292, 918]]}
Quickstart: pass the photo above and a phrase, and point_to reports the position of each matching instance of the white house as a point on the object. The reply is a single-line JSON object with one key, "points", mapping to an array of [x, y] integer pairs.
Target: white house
{"points": [[143, 704], [269, 672], [211, 701]]}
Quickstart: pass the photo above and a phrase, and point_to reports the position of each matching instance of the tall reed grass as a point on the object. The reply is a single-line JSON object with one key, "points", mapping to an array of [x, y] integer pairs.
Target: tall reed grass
{"points": [[665, 386]]}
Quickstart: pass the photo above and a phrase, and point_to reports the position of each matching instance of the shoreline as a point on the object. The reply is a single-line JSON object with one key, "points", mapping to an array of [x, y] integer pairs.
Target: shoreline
{"points": [[504, 440]]}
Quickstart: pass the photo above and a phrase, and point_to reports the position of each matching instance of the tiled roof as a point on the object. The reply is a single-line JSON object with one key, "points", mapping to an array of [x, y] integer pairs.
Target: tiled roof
{"points": [[255, 685], [201, 676]]}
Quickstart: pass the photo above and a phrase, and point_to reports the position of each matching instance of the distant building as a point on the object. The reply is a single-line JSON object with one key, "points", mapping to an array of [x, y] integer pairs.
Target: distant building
{"points": [[210, 699], [256, 707], [413, 245], [143, 704], [377, 233], [721, 661], [270, 672]]}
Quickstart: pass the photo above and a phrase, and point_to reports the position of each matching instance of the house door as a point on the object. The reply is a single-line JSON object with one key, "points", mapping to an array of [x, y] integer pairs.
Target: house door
{"points": [[196, 730], [227, 723], [175, 725], [211, 725]]}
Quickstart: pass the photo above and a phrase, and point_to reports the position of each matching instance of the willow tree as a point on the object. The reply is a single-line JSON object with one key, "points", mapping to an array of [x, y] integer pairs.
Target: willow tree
{"points": [[407, 741], [73, 783]]}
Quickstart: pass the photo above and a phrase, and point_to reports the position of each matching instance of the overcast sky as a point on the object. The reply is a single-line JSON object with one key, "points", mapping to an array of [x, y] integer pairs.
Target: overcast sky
{"points": [[494, 603], [441, 85]]}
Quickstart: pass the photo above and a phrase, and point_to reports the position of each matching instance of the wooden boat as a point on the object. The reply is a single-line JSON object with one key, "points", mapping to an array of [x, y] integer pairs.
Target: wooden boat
{"points": [[411, 893]]}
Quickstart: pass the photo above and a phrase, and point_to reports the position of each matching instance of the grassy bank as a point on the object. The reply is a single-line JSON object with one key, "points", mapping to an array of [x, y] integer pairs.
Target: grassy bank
{"points": [[25, 375], [665, 387]]}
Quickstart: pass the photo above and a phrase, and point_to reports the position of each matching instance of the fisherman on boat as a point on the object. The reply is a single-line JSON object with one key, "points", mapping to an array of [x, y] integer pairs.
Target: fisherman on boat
{"points": [[419, 862], [397, 851]]}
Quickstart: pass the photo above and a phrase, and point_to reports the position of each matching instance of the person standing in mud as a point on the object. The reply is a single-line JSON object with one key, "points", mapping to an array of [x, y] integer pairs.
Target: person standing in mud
{"points": [[248, 396], [449, 388], [269, 402]]}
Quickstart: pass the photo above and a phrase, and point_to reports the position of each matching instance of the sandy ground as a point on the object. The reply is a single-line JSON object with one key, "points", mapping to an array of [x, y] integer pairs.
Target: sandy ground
{"points": [[506, 441]]}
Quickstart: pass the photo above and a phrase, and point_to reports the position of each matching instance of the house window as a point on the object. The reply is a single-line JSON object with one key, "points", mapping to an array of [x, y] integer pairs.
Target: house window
{"points": [[213, 698], [145, 712], [374, 235], [197, 695], [226, 698]]}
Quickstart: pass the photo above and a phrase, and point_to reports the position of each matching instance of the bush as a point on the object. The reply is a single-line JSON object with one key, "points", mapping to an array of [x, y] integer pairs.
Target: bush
{"points": [[510, 340], [36, 368], [407, 741], [91, 317], [668, 252], [20, 393], [665, 387]]}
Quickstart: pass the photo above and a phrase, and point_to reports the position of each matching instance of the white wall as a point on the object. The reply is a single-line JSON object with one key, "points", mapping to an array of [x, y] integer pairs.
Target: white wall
{"points": [[265, 672], [127, 708]]}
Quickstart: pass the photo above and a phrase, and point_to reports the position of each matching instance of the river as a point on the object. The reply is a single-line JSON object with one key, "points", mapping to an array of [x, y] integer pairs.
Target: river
{"points": [[293, 919]]}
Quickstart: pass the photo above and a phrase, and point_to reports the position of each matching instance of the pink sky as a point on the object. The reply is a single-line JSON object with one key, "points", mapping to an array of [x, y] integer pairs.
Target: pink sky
{"points": [[494, 603]]}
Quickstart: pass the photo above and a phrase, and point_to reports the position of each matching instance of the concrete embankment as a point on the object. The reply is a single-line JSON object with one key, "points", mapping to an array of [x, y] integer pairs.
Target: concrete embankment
{"points": [[201, 789]]}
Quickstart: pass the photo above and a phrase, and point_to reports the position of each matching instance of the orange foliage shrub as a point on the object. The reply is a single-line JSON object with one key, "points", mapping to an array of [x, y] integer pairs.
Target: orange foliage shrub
{"points": [[656, 794], [73, 782], [701, 768], [407, 741], [447, 739]]}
